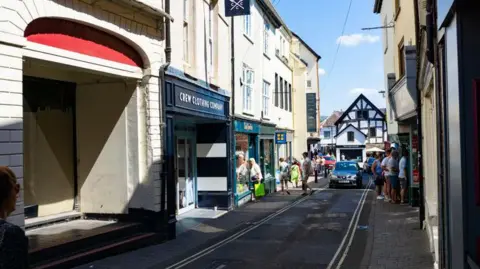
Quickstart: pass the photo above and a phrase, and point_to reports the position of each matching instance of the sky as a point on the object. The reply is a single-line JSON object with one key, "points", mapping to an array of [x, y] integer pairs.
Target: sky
{"points": [[359, 63]]}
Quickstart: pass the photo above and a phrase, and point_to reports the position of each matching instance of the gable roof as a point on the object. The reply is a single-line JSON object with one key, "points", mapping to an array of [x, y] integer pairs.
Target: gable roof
{"points": [[358, 130], [307, 46], [361, 96], [330, 121]]}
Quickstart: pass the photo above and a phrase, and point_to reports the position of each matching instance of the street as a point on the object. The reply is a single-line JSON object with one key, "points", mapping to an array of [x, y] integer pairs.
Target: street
{"points": [[333, 228]]}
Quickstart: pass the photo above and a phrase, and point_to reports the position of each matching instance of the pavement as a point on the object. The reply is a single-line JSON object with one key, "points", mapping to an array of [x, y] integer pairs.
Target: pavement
{"points": [[333, 228]]}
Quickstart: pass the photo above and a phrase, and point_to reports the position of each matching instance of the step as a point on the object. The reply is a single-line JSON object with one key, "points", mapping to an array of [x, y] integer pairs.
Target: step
{"points": [[69, 260], [97, 237]]}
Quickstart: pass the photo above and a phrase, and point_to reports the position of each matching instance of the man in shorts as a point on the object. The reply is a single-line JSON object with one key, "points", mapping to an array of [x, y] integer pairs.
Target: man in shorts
{"points": [[307, 171], [402, 175]]}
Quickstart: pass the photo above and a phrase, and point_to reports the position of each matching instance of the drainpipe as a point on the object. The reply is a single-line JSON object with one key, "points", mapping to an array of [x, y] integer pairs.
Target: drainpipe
{"points": [[169, 218], [419, 117], [232, 117]]}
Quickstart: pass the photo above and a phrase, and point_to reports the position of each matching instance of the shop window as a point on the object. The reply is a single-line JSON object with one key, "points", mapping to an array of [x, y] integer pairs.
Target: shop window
{"points": [[241, 147], [350, 136]]}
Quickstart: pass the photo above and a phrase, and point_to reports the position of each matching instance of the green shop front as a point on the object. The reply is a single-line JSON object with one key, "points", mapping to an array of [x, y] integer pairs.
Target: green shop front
{"points": [[254, 140]]}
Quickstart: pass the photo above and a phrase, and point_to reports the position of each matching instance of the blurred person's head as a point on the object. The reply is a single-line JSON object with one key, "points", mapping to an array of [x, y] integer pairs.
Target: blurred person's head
{"points": [[9, 189]]}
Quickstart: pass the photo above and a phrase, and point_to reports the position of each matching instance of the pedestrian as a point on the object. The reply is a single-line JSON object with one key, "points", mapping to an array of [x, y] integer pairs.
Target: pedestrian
{"points": [[295, 172], [307, 169], [386, 188], [402, 175], [13, 242], [255, 176], [242, 174], [318, 167], [299, 165], [393, 176], [284, 177], [377, 176]]}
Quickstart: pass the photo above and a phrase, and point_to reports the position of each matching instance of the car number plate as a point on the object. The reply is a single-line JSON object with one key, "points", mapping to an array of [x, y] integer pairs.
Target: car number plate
{"points": [[344, 181]]}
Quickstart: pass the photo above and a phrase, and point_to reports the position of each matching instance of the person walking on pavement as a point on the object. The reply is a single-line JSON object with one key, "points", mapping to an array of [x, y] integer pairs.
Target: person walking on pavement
{"points": [[402, 175], [307, 168], [377, 176], [318, 167], [386, 189], [299, 165], [242, 173], [255, 176], [393, 170], [13, 242], [284, 177], [295, 172]]}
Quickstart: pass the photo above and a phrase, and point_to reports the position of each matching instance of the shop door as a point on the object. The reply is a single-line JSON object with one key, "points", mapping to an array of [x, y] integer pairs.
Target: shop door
{"points": [[186, 174]]}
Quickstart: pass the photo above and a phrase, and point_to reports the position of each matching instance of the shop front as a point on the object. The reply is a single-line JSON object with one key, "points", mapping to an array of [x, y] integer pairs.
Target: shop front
{"points": [[267, 156], [247, 144], [197, 141]]}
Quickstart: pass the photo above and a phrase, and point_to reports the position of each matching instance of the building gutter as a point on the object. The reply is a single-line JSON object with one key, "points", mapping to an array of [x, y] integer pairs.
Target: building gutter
{"points": [[167, 184], [419, 117]]}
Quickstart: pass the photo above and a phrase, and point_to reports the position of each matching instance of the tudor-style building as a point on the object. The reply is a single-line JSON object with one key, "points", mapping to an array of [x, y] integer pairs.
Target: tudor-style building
{"points": [[360, 127]]}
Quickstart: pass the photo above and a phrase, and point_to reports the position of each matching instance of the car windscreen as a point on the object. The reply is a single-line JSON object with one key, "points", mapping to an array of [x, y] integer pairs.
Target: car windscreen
{"points": [[346, 166], [328, 158]]}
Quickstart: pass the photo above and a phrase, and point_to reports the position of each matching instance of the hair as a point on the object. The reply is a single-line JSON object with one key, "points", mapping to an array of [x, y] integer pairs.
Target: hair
{"points": [[240, 155], [305, 153], [7, 183], [404, 152], [388, 151], [281, 159], [395, 154], [378, 156]]}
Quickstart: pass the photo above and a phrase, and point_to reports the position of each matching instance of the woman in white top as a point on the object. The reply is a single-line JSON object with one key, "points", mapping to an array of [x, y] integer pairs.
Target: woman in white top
{"points": [[255, 175]]}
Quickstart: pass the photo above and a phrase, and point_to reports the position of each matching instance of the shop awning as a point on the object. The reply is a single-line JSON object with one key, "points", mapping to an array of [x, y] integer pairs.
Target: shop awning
{"points": [[144, 6]]}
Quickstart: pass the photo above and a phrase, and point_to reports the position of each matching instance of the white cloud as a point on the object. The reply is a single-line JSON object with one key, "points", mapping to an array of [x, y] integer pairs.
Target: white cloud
{"points": [[356, 39], [365, 91], [321, 71]]}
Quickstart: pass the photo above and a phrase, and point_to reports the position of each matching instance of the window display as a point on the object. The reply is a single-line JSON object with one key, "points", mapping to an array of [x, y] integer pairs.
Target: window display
{"points": [[242, 172]]}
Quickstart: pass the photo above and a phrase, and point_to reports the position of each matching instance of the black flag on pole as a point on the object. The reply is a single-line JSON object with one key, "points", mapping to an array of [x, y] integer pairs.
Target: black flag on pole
{"points": [[237, 8]]}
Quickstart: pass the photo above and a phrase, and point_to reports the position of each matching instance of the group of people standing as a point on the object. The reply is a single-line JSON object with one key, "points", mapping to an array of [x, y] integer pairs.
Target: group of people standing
{"points": [[296, 171], [390, 176]]}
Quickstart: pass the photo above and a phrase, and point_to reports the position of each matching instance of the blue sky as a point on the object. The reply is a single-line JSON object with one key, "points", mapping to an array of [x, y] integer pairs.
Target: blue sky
{"points": [[359, 64]]}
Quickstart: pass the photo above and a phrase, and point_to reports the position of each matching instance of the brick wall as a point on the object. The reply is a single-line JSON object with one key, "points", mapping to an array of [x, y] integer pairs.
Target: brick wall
{"points": [[11, 123]]}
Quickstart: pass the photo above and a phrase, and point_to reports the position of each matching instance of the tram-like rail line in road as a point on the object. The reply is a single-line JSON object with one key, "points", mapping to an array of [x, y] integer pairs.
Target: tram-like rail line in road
{"points": [[350, 231]]}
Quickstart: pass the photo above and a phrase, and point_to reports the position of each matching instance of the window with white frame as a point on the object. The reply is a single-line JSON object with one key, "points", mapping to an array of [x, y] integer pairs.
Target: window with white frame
{"points": [[247, 26], [248, 78], [266, 35], [266, 98], [185, 30], [284, 47]]}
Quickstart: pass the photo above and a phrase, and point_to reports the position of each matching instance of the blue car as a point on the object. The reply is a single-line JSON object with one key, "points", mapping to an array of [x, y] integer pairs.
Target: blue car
{"points": [[346, 173]]}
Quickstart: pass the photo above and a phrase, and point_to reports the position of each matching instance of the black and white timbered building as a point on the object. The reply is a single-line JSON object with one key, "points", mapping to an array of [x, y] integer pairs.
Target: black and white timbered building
{"points": [[360, 127]]}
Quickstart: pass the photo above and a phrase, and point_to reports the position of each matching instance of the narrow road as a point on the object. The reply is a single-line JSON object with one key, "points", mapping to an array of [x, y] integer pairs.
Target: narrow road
{"points": [[316, 231]]}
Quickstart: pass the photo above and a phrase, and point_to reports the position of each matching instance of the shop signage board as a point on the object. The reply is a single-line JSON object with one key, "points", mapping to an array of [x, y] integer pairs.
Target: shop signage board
{"points": [[237, 8], [281, 138], [196, 101], [311, 112], [246, 127]]}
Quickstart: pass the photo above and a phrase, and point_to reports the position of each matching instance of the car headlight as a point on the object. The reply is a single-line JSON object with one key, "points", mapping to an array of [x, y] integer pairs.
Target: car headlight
{"points": [[333, 176]]}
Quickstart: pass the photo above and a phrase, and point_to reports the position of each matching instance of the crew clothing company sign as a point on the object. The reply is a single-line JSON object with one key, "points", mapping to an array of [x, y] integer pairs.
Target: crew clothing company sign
{"points": [[198, 102]]}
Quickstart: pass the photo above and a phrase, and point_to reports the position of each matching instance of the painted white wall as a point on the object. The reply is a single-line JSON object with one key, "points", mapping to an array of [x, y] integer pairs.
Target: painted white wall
{"points": [[281, 116], [142, 33], [389, 50], [249, 52], [342, 138], [331, 140], [312, 75], [299, 104]]}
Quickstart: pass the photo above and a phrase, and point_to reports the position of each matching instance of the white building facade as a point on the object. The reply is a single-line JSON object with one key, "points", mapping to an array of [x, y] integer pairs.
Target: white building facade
{"points": [[79, 110], [306, 87]]}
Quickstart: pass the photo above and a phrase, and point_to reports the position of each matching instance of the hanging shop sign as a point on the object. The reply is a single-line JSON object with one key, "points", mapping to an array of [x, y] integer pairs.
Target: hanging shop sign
{"points": [[246, 127], [237, 8], [311, 112], [281, 138]]}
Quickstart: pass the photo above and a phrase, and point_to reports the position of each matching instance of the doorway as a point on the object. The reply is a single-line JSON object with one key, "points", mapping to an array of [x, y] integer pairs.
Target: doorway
{"points": [[186, 173]]}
